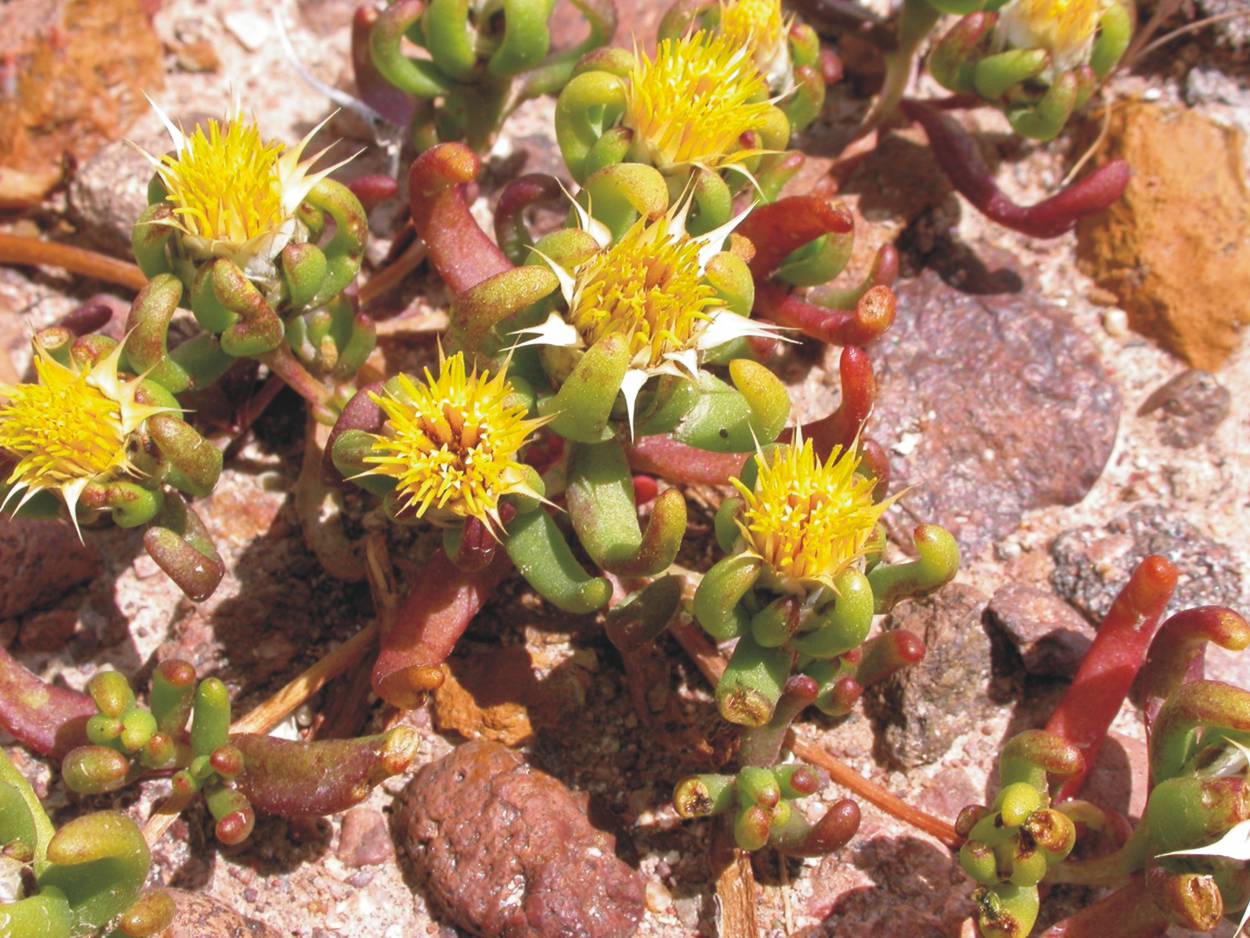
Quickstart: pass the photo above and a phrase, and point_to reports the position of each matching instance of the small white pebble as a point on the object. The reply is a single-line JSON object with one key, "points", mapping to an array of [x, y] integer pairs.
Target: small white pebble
{"points": [[251, 29], [1115, 321], [304, 716], [907, 444], [1008, 551], [287, 729], [658, 898]]}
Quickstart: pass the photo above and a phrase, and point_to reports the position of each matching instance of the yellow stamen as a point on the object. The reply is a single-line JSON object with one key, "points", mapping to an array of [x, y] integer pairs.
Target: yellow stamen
{"points": [[757, 23], [1063, 28], [647, 286], [225, 184], [450, 442], [70, 428], [807, 520], [692, 104]]}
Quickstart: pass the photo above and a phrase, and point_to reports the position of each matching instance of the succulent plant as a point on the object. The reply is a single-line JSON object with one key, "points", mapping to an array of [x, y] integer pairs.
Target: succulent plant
{"points": [[76, 881], [592, 370], [1167, 870], [484, 60], [698, 111], [784, 49], [106, 739], [602, 336], [1039, 60], [260, 246], [761, 805], [88, 440], [801, 580]]}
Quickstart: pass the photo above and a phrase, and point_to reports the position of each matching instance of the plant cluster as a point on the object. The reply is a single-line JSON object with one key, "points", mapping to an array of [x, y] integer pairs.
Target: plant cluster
{"points": [[588, 375], [1183, 862]]}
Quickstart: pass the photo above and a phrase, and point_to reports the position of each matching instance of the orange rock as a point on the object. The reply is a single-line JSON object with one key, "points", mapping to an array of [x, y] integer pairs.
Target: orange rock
{"points": [[499, 695], [488, 705], [1176, 249], [79, 68]]}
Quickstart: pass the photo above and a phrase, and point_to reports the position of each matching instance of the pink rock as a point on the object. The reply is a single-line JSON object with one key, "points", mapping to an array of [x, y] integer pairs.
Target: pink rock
{"points": [[364, 839]]}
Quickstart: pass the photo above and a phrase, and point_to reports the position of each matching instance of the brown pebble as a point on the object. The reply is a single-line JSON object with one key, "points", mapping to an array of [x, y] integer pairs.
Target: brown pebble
{"points": [[364, 839]]}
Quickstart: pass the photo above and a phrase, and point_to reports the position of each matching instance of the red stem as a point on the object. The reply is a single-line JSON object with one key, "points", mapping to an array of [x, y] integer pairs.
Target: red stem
{"points": [[393, 104], [960, 158], [460, 250], [302, 778], [521, 194], [373, 190], [859, 392], [1112, 662], [781, 227], [359, 413], [440, 605], [1177, 654], [872, 316], [665, 457], [50, 720], [888, 653]]}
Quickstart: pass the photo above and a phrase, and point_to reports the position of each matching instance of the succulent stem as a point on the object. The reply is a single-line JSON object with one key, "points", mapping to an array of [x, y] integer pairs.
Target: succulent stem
{"points": [[459, 250], [1112, 662], [49, 719], [441, 603], [960, 158]]}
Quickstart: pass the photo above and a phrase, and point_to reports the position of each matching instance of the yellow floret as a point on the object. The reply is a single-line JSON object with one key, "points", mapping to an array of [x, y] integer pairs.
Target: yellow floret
{"points": [[807, 520], [451, 441]]}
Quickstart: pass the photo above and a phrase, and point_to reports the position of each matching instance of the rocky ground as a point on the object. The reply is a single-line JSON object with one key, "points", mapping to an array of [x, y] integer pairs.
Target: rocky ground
{"points": [[1039, 398]]}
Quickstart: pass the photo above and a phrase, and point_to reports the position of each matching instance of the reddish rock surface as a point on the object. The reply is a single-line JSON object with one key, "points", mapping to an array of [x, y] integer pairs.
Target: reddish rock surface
{"points": [[201, 916], [499, 846], [40, 560], [48, 631], [1092, 564], [364, 839], [1176, 249], [1188, 408], [922, 710], [1048, 635], [497, 694], [79, 68], [992, 405]]}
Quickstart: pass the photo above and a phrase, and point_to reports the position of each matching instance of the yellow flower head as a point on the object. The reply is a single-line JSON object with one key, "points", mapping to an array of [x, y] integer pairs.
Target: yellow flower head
{"points": [[69, 428], [233, 193], [451, 442], [692, 103], [760, 26], [1064, 28], [648, 286], [806, 520]]}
